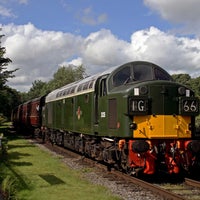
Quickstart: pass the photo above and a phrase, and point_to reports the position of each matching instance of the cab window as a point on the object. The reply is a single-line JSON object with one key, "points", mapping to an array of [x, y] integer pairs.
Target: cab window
{"points": [[142, 73], [161, 75], [121, 76], [103, 87]]}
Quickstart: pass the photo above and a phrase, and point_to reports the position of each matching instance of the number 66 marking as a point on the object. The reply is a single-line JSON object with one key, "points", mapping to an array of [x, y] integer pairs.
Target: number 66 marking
{"points": [[190, 106]]}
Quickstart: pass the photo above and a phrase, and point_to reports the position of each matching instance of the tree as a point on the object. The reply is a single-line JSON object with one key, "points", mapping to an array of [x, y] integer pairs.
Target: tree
{"points": [[8, 97], [66, 75], [38, 89], [185, 79], [182, 78], [195, 85], [4, 74]]}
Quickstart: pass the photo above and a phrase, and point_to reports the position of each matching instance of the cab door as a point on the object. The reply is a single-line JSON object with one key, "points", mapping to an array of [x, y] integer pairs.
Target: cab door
{"points": [[101, 107]]}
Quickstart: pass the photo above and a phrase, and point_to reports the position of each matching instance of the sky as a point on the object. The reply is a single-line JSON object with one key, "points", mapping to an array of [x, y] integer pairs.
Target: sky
{"points": [[42, 35]]}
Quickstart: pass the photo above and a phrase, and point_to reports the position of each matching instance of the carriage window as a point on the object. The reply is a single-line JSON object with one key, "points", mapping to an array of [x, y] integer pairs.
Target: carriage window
{"points": [[72, 89], [79, 88], [122, 76], [91, 84], [85, 86]]}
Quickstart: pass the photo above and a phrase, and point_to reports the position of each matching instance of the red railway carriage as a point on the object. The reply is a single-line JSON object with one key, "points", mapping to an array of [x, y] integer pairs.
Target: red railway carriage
{"points": [[35, 109], [27, 116]]}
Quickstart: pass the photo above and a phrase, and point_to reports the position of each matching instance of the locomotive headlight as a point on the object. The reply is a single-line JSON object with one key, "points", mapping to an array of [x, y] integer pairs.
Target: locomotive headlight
{"points": [[133, 126], [143, 90], [189, 106], [182, 90], [138, 105]]}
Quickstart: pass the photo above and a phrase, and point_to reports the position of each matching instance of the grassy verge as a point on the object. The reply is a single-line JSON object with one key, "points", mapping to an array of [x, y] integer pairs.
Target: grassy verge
{"points": [[30, 173]]}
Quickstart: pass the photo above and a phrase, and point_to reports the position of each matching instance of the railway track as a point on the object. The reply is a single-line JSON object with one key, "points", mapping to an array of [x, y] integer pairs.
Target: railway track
{"points": [[189, 189]]}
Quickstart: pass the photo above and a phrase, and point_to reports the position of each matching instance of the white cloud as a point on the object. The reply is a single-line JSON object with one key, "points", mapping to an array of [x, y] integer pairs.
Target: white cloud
{"points": [[5, 12], [23, 1], [39, 53], [88, 16], [102, 49], [175, 54], [182, 12]]}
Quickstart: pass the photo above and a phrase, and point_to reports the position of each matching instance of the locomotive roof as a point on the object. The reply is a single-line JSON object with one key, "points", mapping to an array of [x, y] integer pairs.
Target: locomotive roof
{"points": [[82, 86], [88, 84]]}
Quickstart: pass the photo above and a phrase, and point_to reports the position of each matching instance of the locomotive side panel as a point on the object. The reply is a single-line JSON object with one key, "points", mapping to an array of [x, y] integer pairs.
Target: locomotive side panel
{"points": [[113, 116], [69, 113], [57, 114], [49, 115], [84, 112]]}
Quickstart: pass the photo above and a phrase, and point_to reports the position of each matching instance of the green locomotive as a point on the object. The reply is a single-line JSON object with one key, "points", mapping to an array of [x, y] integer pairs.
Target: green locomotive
{"points": [[133, 116]]}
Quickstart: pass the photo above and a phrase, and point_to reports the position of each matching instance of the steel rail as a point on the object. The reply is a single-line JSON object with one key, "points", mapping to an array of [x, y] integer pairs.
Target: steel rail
{"points": [[160, 191], [192, 182]]}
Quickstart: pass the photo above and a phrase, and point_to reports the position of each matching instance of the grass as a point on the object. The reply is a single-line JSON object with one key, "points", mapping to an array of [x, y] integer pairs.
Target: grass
{"points": [[35, 174]]}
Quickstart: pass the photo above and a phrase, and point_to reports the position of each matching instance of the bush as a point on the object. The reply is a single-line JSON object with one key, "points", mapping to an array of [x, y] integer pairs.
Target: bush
{"points": [[3, 144], [8, 188], [3, 119]]}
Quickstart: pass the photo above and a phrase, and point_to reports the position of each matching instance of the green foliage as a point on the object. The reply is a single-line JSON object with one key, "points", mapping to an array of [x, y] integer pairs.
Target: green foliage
{"points": [[185, 79], [4, 74], [182, 79], [8, 96], [8, 187], [197, 122], [66, 75], [195, 85], [38, 89], [2, 119]]}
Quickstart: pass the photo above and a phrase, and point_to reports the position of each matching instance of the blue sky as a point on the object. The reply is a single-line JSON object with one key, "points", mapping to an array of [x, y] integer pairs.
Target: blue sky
{"points": [[84, 16], [42, 35]]}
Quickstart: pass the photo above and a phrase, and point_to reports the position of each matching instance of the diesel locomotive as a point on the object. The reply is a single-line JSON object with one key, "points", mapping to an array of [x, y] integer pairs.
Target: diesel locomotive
{"points": [[133, 117]]}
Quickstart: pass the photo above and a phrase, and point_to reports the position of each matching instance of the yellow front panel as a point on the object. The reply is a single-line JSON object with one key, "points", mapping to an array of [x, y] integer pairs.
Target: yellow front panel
{"points": [[162, 126]]}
